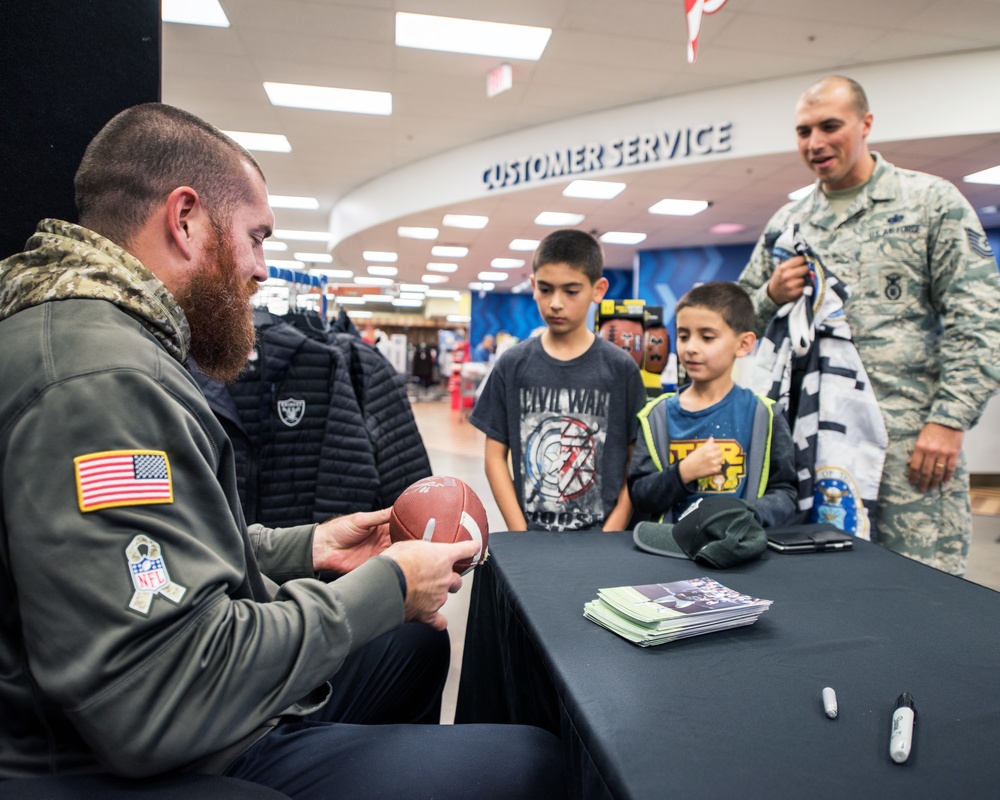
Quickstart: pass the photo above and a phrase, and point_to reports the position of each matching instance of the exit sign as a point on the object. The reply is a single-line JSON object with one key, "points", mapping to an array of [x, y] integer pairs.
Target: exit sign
{"points": [[499, 80]]}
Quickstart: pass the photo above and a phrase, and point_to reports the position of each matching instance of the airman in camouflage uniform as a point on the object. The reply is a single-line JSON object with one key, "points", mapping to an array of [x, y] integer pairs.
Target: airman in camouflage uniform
{"points": [[924, 309]]}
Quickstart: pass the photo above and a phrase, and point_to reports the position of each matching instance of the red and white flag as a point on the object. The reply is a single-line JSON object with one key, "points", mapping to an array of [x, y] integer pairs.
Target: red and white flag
{"points": [[694, 9]]}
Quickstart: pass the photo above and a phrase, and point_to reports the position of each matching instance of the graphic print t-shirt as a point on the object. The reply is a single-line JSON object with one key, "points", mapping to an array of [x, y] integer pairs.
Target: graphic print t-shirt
{"points": [[730, 421], [568, 425]]}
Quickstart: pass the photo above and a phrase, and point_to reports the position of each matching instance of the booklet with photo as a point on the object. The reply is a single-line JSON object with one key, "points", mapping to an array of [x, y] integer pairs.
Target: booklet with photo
{"points": [[660, 612]]}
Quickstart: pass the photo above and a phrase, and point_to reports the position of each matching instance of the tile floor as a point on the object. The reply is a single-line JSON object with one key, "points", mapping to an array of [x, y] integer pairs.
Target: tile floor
{"points": [[456, 448]]}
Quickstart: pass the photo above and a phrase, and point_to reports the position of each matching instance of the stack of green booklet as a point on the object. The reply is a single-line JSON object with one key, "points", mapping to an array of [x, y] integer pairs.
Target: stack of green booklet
{"points": [[661, 612]]}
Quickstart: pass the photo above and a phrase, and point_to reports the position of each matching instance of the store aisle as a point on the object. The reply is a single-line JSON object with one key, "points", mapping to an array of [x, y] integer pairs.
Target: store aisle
{"points": [[456, 448]]}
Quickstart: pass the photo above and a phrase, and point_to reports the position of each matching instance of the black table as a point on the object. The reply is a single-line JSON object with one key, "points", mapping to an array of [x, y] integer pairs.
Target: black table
{"points": [[738, 713]]}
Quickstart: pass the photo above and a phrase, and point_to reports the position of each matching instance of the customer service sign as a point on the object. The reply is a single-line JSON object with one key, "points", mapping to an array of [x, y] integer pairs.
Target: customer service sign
{"points": [[646, 148]]}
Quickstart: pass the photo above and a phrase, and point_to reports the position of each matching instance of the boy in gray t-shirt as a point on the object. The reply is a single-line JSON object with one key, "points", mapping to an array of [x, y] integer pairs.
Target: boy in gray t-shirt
{"points": [[562, 404]]}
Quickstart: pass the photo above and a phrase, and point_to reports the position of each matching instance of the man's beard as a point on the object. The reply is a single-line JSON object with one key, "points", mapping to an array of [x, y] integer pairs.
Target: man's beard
{"points": [[217, 305]]}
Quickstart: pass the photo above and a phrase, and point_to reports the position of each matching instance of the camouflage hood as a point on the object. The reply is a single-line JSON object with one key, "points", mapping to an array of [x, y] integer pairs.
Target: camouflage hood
{"points": [[63, 261]]}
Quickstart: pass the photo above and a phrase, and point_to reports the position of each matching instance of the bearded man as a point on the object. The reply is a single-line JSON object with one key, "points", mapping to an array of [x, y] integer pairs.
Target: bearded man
{"points": [[140, 634]]}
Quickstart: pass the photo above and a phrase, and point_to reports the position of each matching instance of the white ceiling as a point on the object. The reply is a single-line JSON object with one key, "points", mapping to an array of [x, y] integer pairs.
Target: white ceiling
{"points": [[602, 54]]}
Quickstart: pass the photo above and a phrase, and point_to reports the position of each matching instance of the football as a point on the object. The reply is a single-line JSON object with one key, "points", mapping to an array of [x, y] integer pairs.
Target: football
{"points": [[626, 334], [657, 350], [441, 509]]}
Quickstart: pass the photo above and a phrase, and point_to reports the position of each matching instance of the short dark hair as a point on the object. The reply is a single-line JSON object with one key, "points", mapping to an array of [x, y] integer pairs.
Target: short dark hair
{"points": [[143, 154], [726, 299], [859, 100], [577, 249]]}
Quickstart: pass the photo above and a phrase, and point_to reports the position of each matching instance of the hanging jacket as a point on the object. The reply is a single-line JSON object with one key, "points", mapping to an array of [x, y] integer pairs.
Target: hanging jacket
{"points": [[807, 362]]}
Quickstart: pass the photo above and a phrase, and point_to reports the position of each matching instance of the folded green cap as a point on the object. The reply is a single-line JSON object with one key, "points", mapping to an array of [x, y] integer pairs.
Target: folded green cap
{"points": [[718, 531]]}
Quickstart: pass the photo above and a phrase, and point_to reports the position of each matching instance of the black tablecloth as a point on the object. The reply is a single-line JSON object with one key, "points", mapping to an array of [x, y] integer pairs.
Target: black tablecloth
{"points": [[738, 714]]}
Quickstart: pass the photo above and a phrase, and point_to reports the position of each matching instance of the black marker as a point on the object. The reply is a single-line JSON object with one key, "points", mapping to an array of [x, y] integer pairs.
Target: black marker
{"points": [[902, 728]]}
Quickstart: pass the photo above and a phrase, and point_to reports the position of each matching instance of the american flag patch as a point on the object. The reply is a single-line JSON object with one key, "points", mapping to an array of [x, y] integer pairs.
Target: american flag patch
{"points": [[123, 478]]}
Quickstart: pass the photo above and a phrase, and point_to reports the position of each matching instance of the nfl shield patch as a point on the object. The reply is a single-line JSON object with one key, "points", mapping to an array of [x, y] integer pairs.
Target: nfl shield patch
{"points": [[150, 578]]}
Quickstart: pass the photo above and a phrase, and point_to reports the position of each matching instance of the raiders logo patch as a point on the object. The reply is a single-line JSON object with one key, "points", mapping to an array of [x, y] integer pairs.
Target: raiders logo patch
{"points": [[291, 411]]}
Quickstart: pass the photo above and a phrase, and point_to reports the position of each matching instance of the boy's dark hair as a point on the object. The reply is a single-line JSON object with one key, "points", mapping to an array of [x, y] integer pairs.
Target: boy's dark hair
{"points": [[577, 249], [726, 299], [146, 152]]}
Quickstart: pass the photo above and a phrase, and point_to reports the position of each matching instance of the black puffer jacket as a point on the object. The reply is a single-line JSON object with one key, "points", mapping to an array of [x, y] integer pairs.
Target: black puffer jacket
{"points": [[316, 435]]}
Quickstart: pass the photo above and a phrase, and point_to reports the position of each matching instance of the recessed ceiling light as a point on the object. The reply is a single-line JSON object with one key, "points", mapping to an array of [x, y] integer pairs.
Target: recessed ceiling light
{"points": [[374, 269], [194, 12], [378, 298], [314, 258], [348, 300], [622, 237], [414, 295], [379, 255], [988, 210], [412, 287], [261, 142], [290, 201], [455, 35], [328, 98], [407, 302], [362, 280], [679, 208], [594, 190], [991, 175], [453, 293], [727, 227], [507, 263], [303, 236], [493, 276], [558, 218], [412, 232], [799, 193], [283, 264], [334, 273], [359, 314], [275, 247], [482, 286], [470, 221], [449, 251], [434, 278], [523, 244], [440, 266]]}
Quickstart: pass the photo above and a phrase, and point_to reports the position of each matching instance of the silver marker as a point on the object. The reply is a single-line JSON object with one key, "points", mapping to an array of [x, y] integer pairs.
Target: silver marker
{"points": [[902, 728], [830, 702]]}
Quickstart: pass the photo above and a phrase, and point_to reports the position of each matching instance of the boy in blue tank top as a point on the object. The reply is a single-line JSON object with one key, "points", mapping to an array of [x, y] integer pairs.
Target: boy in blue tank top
{"points": [[713, 437]]}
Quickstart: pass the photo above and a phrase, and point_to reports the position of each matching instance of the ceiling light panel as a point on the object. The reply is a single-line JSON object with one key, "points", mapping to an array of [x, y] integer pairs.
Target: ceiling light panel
{"points": [[493, 276], [381, 270], [679, 208], [622, 237], [343, 274], [991, 175], [194, 12], [362, 280], [411, 232], [594, 190], [314, 258], [291, 201], [434, 278], [302, 236], [469, 221], [379, 255], [412, 287], [441, 266], [507, 263], [261, 142], [275, 247], [558, 218], [278, 263], [448, 251], [329, 98], [523, 244], [475, 37]]}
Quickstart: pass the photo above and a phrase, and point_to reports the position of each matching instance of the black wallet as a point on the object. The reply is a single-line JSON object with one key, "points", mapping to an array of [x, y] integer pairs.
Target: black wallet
{"points": [[808, 538]]}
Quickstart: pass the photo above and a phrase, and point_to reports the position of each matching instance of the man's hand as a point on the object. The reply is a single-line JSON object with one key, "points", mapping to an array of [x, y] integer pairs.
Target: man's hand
{"points": [[935, 456], [430, 576], [788, 280], [704, 461], [343, 543]]}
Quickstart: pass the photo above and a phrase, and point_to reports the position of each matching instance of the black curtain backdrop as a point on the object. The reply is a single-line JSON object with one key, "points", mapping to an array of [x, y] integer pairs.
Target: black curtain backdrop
{"points": [[65, 70]]}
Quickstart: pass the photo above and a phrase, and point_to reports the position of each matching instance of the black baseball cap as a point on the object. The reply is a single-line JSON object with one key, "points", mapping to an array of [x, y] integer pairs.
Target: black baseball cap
{"points": [[718, 531]]}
